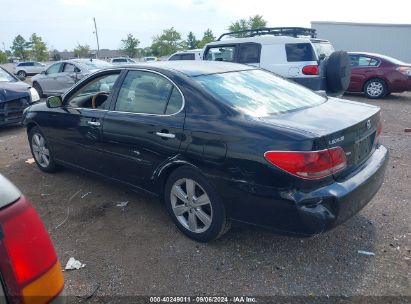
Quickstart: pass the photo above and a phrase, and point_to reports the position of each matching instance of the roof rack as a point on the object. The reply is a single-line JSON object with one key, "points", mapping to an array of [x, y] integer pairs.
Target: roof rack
{"points": [[275, 31]]}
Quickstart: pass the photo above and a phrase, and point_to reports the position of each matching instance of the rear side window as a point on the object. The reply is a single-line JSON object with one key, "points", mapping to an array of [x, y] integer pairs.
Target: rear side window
{"points": [[363, 61], [249, 53], [149, 93], [221, 53], [299, 52]]}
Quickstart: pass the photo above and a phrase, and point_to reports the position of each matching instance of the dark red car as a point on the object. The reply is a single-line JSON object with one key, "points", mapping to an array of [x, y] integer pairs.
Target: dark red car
{"points": [[378, 75], [30, 271]]}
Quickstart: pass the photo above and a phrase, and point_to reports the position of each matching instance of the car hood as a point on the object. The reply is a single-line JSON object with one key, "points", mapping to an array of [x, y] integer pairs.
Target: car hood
{"points": [[13, 90], [329, 117]]}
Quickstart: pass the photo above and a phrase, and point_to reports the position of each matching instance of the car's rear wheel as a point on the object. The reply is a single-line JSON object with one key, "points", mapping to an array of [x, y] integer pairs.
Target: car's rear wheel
{"points": [[375, 88], [41, 151], [22, 74], [38, 88], [195, 206]]}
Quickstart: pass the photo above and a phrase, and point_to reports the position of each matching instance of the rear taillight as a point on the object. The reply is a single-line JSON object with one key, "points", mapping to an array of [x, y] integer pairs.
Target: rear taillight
{"points": [[309, 164], [310, 70], [405, 70], [29, 255], [378, 132]]}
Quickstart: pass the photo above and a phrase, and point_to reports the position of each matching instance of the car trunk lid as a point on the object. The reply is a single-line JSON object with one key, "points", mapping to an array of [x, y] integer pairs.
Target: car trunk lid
{"points": [[341, 123]]}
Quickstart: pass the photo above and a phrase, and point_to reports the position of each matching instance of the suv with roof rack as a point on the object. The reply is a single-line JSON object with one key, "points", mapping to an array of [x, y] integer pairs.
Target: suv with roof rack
{"points": [[292, 52]]}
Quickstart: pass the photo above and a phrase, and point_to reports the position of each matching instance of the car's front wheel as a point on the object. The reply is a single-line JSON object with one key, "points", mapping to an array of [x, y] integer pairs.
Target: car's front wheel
{"points": [[194, 205], [41, 151], [38, 88], [375, 88]]}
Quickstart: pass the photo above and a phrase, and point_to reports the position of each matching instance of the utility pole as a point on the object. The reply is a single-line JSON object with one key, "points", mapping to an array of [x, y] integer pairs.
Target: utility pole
{"points": [[95, 32], [4, 47]]}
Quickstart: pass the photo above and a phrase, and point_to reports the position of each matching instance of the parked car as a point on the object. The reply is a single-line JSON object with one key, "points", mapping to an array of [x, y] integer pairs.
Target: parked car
{"points": [[29, 68], [294, 53], [195, 54], [30, 271], [217, 141], [15, 96], [121, 60], [62, 75], [377, 75], [150, 58]]}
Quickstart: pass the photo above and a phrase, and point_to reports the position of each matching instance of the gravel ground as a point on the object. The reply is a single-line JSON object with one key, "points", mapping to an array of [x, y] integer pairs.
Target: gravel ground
{"points": [[136, 249]]}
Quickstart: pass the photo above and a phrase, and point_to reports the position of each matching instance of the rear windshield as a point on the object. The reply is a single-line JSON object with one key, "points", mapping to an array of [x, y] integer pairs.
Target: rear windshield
{"points": [[259, 93], [323, 48], [299, 52], [6, 77]]}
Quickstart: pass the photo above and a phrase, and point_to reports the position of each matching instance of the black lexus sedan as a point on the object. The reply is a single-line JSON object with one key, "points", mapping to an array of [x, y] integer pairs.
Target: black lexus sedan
{"points": [[217, 142], [15, 96]]}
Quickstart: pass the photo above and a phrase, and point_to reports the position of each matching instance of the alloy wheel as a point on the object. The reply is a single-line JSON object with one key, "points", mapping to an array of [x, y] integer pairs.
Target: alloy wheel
{"points": [[40, 150], [375, 88], [191, 205]]}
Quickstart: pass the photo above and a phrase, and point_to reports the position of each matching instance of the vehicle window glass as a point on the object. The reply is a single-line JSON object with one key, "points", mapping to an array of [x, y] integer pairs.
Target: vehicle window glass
{"points": [[175, 103], [82, 97], [187, 57], [259, 93], [323, 48], [53, 69], [144, 92], [366, 61], [299, 52], [30, 64], [6, 77], [175, 57], [249, 53], [68, 68], [37, 64], [223, 53]]}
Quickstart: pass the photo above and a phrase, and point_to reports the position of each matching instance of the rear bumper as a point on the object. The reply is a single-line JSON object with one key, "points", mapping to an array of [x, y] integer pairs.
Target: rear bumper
{"points": [[307, 213], [316, 83]]}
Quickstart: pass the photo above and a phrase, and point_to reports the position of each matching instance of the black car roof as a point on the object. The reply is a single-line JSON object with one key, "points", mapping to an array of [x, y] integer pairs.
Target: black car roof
{"points": [[194, 68]]}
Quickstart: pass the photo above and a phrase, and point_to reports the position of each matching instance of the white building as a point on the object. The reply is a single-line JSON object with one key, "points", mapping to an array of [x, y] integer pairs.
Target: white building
{"points": [[388, 39]]}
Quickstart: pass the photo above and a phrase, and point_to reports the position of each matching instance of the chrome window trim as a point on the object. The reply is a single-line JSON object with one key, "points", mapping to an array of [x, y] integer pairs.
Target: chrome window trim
{"points": [[150, 114]]}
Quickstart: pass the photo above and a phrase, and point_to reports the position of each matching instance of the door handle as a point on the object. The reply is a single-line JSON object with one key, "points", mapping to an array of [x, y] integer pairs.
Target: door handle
{"points": [[94, 123], [165, 135]]}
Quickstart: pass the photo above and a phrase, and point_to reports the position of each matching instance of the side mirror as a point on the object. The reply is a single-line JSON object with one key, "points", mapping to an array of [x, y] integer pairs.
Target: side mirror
{"points": [[321, 57], [43, 72], [54, 102]]}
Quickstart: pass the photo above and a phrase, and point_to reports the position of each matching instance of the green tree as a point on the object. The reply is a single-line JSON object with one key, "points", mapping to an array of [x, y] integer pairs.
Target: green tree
{"points": [[3, 57], [192, 42], [20, 47], [207, 38], [129, 46], [38, 48], [82, 51], [167, 43], [253, 22]]}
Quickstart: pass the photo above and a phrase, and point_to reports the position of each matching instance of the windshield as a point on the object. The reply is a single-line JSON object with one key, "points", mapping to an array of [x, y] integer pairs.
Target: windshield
{"points": [[323, 48], [259, 93], [96, 64], [6, 77]]}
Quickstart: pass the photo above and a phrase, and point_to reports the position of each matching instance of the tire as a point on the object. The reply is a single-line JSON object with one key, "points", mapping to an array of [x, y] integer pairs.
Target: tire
{"points": [[39, 90], [41, 151], [338, 72], [203, 223], [22, 74], [375, 88]]}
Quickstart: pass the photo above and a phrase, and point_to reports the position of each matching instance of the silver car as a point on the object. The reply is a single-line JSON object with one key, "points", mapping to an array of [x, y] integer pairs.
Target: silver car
{"points": [[27, 68], [62, 75]]}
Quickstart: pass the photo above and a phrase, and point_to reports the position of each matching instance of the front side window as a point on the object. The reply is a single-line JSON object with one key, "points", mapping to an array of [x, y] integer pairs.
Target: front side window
{"points": [[54, 69], [103, 86], [149, 93], [259, 93], [69, 68], [221, 53], [299, 52], [187, 57]]}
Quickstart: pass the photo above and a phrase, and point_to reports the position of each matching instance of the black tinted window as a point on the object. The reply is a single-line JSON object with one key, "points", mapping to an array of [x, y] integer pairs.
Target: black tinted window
{"points": [[249, 53], [144, 92], [187, 57], [299, 52], [175, 57]]}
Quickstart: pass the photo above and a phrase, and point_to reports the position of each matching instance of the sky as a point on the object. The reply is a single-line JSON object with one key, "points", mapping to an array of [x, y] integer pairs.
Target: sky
{"points": [[65, 23]]}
